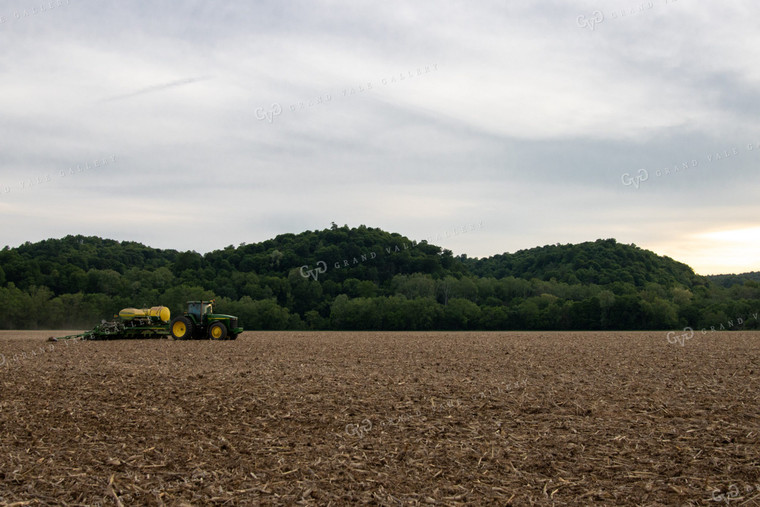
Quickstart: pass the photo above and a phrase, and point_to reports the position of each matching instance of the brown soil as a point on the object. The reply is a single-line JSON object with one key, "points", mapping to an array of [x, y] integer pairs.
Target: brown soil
{"points": [[381, 419]]}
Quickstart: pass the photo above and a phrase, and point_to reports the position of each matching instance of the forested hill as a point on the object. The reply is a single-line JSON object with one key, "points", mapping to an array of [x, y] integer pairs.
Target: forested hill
{"points": [[78, 263], [366, 278], [601, 262], [731, 280]]}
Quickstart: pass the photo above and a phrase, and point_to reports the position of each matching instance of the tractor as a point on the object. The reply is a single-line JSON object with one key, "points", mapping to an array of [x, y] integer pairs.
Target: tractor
{"points": [[200, 321]]}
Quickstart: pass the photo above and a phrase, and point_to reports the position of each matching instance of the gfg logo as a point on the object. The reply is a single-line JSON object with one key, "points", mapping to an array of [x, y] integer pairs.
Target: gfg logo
{"points": [[314, 273], [355, 430], [596, 18], [636, 181], [673, 338], [269, 116]]}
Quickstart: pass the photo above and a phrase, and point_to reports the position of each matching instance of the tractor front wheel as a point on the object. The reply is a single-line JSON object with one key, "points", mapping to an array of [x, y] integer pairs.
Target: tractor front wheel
{"points": [[217, 331], [181, 328]]}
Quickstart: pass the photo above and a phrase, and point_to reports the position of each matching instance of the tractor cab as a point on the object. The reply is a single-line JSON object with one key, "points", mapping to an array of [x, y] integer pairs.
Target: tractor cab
{"points": [[200, 308]]}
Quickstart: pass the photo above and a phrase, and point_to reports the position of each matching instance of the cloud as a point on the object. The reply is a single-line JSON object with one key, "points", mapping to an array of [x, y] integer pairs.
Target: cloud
{"points": [[526, 120]]}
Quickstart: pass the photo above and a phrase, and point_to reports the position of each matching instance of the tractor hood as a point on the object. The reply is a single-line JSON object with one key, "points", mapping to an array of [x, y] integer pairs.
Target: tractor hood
{"points": [[220, 316]]}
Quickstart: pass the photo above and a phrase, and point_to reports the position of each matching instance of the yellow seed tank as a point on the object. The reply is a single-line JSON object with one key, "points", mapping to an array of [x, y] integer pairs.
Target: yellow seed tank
{"points": [[157, 312]]}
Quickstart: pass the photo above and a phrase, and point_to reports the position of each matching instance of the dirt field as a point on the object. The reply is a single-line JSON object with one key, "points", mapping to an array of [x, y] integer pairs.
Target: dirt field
{"points": [[382, 419]]}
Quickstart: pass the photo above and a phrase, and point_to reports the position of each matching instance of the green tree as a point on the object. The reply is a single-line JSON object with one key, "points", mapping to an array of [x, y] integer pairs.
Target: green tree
{"points": [[606, 302], [494, 318], [187, 261], [461, 314], [315, 321]]}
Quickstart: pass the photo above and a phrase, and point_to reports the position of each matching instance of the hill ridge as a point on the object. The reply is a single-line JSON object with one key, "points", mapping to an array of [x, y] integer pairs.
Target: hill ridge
{"points": [[329, 279]]}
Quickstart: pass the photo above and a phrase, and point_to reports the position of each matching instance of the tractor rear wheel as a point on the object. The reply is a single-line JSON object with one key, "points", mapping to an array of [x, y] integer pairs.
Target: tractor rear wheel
{"points": [[217, 331], [181, 328]]}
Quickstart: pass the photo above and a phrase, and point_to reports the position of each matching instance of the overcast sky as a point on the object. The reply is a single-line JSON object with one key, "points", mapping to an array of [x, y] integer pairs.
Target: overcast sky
{"points": [[195, 125]]}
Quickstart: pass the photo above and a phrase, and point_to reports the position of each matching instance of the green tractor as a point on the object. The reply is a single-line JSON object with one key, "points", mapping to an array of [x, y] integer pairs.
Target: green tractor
{"points": [[200, 321]]}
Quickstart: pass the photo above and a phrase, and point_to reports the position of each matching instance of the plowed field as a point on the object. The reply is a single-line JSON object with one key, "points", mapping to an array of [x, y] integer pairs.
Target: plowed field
{"points": [[381, 419]]}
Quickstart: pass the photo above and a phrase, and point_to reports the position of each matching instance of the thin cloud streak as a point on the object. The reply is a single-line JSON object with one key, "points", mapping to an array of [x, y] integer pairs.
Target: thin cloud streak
{"points": [[157, 88]]}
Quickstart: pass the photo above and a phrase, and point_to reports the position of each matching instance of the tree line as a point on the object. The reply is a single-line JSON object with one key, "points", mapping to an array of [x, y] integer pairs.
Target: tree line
{"points": [[364, 278]]}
